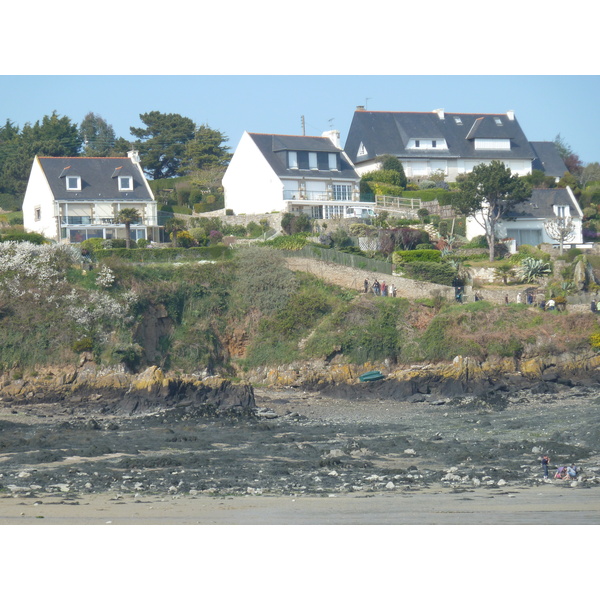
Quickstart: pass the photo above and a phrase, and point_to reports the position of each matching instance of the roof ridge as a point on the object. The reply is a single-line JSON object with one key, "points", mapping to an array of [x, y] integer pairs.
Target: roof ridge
{"points": [[319, 137]]}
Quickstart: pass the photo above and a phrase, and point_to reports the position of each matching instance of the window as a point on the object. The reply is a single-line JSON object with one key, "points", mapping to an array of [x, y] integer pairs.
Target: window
{"points": [[498, 121], [342, 192], [458, 120], [292, 160], [417, 143], [37, 214], [312, 161], [562, 211], [433, 143], [333, 161], [362, 151], [73, 183], [125, 183]]}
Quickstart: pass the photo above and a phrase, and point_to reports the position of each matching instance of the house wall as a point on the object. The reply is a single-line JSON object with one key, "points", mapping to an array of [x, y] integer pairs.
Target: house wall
{"points": [[474, 229], [250, 184], [39, 195], [451, 166]]}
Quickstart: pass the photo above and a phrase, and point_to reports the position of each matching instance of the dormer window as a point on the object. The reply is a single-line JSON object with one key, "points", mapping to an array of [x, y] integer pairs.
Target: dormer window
{"points": [[125, 183], [333, 166], [362, 151], [73, 183], [292, 159], [562, 211]]}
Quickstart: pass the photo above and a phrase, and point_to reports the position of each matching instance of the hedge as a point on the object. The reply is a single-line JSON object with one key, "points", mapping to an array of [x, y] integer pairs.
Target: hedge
{"points": [[404, 256], [444, 197], [434, 272], [165, 254]]}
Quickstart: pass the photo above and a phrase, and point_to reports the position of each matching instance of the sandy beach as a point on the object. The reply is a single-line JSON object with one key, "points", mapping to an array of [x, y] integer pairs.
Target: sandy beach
{"points": [[549, 504]]}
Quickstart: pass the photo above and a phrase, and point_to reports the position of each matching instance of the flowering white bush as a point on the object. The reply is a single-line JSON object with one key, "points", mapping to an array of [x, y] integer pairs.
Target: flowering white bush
{"points": [[105, 277]]}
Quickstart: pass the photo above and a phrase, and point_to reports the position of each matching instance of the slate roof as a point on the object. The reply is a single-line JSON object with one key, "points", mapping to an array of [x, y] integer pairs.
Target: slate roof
{"points": [[390, 132], [547, 159], [541, 202], [274, 148], [99, 178]]}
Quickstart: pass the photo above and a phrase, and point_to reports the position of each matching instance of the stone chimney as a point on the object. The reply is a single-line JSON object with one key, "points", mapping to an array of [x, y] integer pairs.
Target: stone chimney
{"points": [[440, 113], [134, 156], [360, 108], [334, 136], [511, 115]]}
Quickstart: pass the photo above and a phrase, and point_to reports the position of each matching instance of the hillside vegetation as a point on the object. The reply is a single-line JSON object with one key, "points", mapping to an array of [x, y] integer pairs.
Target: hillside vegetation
{"points": [[240, 312]]}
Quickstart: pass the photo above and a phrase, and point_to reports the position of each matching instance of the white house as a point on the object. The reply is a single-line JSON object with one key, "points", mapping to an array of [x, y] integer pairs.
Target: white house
{"points": [[71, 199], [525, 223], [450, 143], [290, 173]]}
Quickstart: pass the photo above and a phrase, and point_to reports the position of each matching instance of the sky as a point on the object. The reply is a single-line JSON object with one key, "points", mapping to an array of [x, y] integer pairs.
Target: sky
{"points": [[544, 105], [263, 68]]}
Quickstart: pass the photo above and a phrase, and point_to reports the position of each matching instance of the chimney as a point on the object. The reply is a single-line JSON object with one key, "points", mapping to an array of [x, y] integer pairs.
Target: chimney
{"points": [[511, 115], [334, 136], [134, 156], [360, 108], [440, 113]]}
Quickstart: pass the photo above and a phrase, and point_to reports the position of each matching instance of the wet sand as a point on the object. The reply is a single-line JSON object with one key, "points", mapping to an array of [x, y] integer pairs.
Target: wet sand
{"points": [[549, 504]]}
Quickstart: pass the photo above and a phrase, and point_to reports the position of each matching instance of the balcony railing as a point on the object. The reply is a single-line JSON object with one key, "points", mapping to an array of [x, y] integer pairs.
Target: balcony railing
{"points": [[324, 196], [103, 221]]}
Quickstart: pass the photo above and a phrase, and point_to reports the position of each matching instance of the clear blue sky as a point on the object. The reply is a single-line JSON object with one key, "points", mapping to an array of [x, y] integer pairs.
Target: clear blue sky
{"points": [[544, 105]]}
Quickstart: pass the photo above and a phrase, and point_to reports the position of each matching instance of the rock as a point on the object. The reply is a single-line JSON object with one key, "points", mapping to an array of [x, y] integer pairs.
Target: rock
{"points": [[389, 486]]}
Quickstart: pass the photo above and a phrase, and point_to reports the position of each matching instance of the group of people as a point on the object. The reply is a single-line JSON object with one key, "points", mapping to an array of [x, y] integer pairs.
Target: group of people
{"points": [[565, 473], [380, 289], [530, 299]]}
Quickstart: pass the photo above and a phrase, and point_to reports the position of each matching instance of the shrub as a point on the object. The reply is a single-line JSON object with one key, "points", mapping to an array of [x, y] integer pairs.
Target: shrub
{"points": [[405, 256], [434, 272], [262, 279], [18, 236], [427, 184]]}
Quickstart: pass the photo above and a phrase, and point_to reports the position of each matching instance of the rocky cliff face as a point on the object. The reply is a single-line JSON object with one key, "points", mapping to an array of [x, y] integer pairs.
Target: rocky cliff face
{"points": [[121, 391], [459, 377]]}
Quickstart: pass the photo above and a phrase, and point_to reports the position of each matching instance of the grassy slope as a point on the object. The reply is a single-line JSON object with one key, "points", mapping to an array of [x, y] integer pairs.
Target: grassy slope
{"points": [[210, 327]]}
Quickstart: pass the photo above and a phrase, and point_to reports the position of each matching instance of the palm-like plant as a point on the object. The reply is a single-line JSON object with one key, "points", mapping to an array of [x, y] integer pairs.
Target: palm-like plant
{"points": [[505, 271], [127, 216], [532, 269], [173, 226]]}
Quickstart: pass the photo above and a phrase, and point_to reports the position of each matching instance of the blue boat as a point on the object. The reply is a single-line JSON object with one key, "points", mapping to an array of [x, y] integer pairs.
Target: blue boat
{"points": [[371, 376]]}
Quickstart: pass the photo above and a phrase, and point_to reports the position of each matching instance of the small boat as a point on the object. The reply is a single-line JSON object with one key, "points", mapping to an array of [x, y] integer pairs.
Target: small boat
{"points": [[371, 376]]}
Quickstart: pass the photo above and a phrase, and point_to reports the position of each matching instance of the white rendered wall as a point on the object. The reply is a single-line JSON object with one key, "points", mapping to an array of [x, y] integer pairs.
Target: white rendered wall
{"points": [[250, 184], [38, 194]]}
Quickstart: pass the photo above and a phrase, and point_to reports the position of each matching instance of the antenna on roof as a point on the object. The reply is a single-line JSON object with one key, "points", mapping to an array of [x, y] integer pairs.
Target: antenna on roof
{"points": [[330, 121], [367, 103]]}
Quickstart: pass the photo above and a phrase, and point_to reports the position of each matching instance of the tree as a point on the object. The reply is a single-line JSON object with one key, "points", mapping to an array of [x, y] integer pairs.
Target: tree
{"points": [[560, 229], [571, 160], [173, 226], [127, 216], [54, 136], [205, 151], [162, 143], [590, 173], [487, 194], [97, 135]]}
